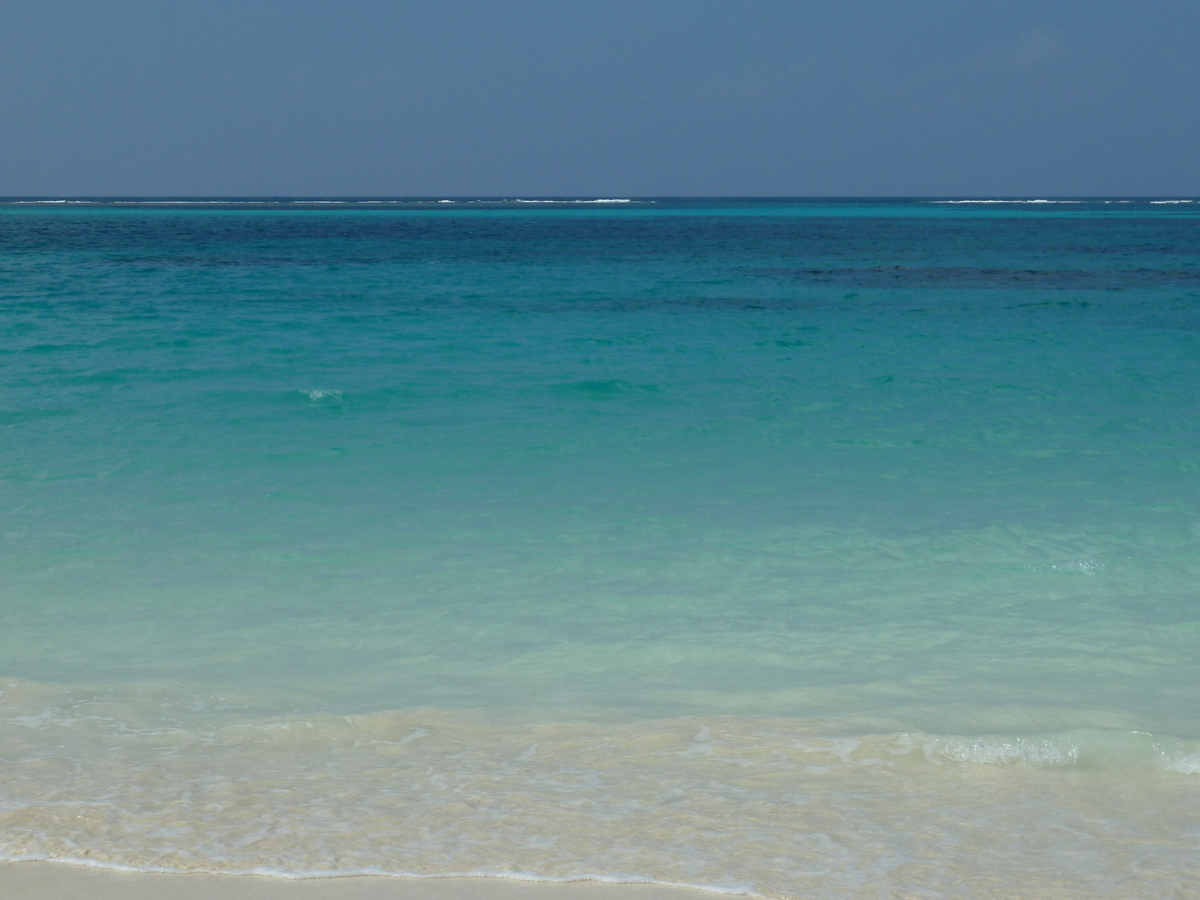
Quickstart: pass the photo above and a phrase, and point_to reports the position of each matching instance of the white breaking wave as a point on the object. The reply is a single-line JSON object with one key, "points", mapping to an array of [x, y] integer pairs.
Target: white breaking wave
{"points": [[1119, 751], [574, 202], [1006, 201]]}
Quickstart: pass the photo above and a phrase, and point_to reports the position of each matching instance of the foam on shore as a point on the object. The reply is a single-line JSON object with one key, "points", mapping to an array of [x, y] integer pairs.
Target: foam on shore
{"points": [[154, 779]]}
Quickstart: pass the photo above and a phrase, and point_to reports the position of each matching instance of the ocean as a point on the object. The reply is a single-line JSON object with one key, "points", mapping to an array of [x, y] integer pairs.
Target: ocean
{"points": [[799, 548]]}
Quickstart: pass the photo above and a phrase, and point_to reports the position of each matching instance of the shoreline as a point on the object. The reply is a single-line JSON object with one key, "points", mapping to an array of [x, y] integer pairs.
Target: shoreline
{"points": [[53, 880]]}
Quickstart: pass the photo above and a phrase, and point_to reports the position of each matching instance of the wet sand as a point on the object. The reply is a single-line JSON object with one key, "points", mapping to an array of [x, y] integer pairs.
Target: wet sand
{"points": [[58, 881]]}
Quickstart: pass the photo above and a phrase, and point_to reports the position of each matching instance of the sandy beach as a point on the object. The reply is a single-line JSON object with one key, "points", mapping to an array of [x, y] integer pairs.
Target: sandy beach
{"points": [[57, 881]]}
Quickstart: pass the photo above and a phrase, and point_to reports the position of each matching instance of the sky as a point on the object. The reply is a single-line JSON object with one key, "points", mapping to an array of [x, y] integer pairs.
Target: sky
{"points": [[601, 98]]}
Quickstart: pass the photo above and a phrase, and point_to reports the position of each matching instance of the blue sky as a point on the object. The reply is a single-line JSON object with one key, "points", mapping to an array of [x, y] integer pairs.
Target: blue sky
{"points": [[364, 97]]}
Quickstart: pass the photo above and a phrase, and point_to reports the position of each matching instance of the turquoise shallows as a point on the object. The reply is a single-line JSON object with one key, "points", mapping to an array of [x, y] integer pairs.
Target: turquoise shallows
{"points": [[916, 479]]}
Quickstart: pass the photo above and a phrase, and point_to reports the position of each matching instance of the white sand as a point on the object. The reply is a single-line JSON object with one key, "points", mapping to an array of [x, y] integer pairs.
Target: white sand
{"points": [[58, 881]]}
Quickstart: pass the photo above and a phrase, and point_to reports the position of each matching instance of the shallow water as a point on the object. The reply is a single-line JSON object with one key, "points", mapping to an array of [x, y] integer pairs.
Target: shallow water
{"points": [[814, 549]]}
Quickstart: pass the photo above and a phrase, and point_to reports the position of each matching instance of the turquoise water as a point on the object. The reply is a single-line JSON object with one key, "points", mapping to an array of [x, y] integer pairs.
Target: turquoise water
{"points": [[813, 549]]}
